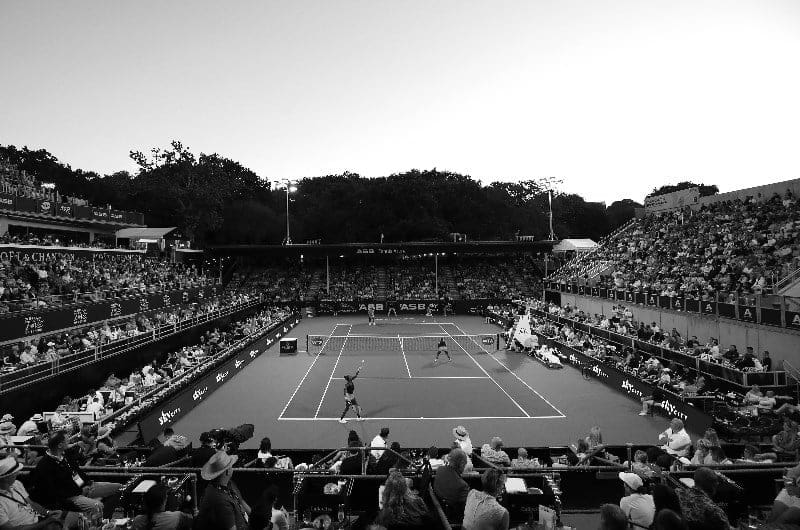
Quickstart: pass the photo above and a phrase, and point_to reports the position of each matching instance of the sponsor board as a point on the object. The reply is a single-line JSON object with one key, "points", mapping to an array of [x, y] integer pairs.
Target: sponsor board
{"points": [[175, 407]]}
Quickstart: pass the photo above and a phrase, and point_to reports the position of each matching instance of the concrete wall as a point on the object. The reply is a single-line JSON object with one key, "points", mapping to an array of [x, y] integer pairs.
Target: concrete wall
{"points": [[781, 343]]}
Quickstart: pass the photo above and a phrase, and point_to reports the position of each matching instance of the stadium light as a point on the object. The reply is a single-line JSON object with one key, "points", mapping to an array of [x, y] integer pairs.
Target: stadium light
{"points": [[290, 187], [547, 183]]}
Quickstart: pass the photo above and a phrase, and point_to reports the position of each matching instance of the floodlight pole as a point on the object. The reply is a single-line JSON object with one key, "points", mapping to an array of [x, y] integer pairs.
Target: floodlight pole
{"points": [[288, 237]]}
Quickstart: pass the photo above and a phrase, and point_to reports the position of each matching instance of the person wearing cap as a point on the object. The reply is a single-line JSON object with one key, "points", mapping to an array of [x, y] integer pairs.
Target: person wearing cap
{"points": [[222, 507], [17, 510], [698, 509], [786, 507], [675, 439], [7, 422], [58, 481], [494, 454], [637, 505], [31, 427]]}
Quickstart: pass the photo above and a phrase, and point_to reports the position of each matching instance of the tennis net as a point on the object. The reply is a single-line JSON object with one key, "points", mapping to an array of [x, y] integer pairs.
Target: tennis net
{"points": [[455, 343]]}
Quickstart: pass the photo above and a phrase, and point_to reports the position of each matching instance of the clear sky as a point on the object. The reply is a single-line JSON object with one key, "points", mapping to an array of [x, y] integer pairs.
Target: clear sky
{"points": [[614, 97]]}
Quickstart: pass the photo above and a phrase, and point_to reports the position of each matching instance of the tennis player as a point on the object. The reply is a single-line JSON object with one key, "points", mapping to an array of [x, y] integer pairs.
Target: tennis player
{"points": [[371, 314], [442, 349], [350, 395]]}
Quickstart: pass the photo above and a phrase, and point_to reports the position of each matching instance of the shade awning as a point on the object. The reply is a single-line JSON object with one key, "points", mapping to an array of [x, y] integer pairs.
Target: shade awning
{"points": [[144, 233]]}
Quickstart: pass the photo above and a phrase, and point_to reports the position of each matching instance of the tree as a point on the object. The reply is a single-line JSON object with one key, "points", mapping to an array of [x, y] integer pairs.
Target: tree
{"points": [[620, 212], [705, 190]]}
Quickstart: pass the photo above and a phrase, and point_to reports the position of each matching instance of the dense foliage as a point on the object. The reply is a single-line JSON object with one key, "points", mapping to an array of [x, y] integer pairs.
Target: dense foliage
{"points": [[217, 200], [705, 190]]}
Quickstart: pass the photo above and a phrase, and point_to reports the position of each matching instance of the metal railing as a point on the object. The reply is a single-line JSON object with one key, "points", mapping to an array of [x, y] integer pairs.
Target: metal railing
{"points": [[39, 372]]}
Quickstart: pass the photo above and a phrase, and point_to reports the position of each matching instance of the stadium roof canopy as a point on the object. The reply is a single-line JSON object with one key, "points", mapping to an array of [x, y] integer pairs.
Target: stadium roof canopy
{"points": [[144, 233], [575, 245], [409, 248]]}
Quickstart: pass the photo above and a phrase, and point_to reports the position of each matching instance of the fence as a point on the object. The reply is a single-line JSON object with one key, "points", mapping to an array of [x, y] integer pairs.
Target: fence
{"points": [[776, 311]]}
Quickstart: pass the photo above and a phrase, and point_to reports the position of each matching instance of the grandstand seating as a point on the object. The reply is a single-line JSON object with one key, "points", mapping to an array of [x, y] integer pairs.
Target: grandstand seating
{"points": [[740, 246]]}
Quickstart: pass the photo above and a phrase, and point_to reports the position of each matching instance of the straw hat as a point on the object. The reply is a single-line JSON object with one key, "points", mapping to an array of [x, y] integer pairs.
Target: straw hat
{"points": [[37, 417], [9, 466], [460, 433], [217, 465], [7, 428]]}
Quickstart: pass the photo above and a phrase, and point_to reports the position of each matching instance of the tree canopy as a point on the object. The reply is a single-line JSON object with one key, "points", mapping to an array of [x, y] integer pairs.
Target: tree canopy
{"points": [[705, 190], [216, 200]]}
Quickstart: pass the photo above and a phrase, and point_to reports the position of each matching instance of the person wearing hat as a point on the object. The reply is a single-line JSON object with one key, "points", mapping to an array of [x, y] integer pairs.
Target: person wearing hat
{"points": [[463, 440], [222, 507], [8, 422], [58, 480], [636, 504], [697, 506], [6, 431], [31, 427], [17, 510], [786, 507]]}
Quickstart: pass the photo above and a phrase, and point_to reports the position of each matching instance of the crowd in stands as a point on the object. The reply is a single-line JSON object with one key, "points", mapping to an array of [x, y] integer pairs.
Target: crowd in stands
{"points": [[28, 285], [411, 281], [354, 282], [622, 322], [277, 283], [495, 279], [18, 182], [52, 240], [738, 247], [52, 348]]}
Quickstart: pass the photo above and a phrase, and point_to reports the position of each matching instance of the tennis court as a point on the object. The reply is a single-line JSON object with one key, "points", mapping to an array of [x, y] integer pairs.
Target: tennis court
{"points": [[297, 400], [401, 380]]}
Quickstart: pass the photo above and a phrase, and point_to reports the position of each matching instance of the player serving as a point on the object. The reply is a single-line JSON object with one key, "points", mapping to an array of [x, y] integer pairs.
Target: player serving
{"points": [[442, 349], [350, 396]]}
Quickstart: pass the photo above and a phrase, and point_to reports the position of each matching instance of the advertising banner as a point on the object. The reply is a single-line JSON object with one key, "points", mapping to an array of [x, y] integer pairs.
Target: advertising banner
{"points": [[793, 319], [726, 310], [19, 326], [64, 209], [692, 306], [671, 406], [670, 201], [83, 212], [747, 313], [45, 207], [40, 254], [176, 407], [26, 204]]}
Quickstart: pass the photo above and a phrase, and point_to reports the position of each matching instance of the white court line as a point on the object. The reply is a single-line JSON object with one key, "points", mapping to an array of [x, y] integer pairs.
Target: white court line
{"points": [[503, 390], [517, 418], [307, 372], [515, 375], [333, 372], [403, 351], [366, 378]]}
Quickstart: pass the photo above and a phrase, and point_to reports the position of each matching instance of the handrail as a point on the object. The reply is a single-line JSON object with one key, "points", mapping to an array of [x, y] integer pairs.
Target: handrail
{"points": [[72, 362], [438, 508], [786, 280]]}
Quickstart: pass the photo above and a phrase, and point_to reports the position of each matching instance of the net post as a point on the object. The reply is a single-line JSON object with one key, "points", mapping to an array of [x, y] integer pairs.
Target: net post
{"points": [[497, 342], [307, 350]]}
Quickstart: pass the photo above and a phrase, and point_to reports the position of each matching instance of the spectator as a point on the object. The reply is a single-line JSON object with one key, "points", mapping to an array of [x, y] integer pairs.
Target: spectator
{"points": [[612, 518], [522, 460], [208, 446], [464, 442], [17, 510], [59, 481], [402, 508], [675, 439], [390, 460], [786, 442], [697, 508], [669, 520], [433, 458], [766, 362], [379, 441], [482, 511], [494, 453], [269, 513], [637, 505], [264, 452], [222, 507], [156, 516], [31, 427], [170, 452], [353, 464], [450, 487]]}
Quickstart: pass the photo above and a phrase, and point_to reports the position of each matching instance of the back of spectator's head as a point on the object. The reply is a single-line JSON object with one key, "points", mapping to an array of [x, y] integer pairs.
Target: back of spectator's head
{"points": [[612, 518], [706, 480], [433, 452], [664, 461], [496, 443], [668, 520], [653, 453], [168, 432], [749, 451], [56, 440], [640, 456], [676, 424], [522, 452], [665, 498], [155, 499], [266, 445], [492, 481], [384, 432], [457, 459]]}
